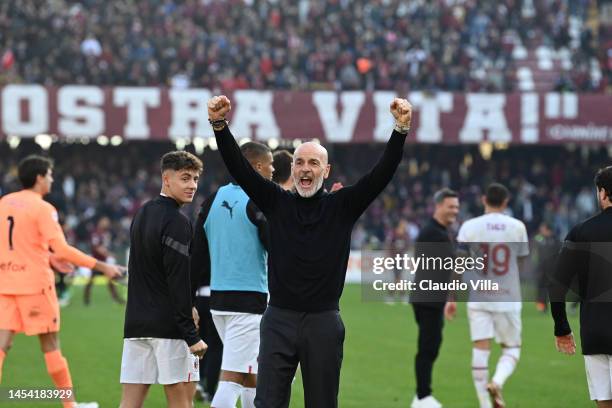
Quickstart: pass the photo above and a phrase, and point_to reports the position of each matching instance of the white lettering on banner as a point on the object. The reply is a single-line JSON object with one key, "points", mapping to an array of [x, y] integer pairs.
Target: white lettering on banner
{"points": [[36, 99], [570, 105], [485, 112], [563, 105], [338, 127], [254, 109], [384, 119], [189, 107], [429, 107], [530, 114], [553, 105], [80, 111], [589, 132], [136, 101]]}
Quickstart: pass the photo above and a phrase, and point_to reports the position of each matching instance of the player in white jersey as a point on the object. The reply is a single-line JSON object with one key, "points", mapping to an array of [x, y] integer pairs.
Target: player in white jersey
{"points": [[503, 241]]}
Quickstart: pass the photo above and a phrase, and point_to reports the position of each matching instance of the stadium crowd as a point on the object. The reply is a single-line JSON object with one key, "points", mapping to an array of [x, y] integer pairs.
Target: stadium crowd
{"points": [[456, 45], [552, 184]]}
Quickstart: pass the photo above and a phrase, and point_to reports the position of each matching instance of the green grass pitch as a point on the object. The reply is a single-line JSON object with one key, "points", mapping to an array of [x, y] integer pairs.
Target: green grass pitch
{"points": [[377, 371]]}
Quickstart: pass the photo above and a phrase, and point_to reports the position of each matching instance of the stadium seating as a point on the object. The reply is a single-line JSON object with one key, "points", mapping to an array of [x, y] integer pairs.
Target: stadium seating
{"points": [[456, 45]]}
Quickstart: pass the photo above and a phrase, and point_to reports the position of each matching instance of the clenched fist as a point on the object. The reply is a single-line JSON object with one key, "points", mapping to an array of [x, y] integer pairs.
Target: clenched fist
{"points": [[199, 349], [218, 107], [401, 110]]}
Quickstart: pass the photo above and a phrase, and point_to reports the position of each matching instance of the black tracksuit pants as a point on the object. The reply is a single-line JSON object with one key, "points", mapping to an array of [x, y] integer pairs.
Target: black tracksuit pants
{"points": [[315, 340], [430, 320]]}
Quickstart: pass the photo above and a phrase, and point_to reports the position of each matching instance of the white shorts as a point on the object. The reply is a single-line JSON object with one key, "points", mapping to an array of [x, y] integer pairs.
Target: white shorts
{"points": [[158, 361], [505, 327], [240, 336], [599, 376]]}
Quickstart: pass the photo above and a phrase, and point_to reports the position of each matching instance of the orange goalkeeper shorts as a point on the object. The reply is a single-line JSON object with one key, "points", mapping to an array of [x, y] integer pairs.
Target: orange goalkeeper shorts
{"points": [[30, 314]]}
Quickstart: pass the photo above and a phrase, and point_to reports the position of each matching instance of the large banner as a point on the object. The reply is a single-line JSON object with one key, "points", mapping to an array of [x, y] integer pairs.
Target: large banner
{"points": [[151, 113]]}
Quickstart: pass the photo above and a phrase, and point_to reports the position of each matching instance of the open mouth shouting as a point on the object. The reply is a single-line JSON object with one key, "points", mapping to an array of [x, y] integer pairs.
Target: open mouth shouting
{"points": [[306, 182]]}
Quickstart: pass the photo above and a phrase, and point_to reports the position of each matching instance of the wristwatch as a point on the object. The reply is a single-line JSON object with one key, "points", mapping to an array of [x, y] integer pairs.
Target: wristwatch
{"points": [[218, 124], [401, 129]]}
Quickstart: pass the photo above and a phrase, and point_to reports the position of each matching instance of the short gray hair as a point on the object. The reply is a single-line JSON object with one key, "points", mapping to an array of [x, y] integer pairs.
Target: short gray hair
{"points": [[443, 194]]}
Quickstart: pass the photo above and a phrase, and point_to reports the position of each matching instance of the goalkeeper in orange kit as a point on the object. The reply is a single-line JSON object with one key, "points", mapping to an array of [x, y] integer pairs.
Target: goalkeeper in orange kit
{"points": [[29, 230]]}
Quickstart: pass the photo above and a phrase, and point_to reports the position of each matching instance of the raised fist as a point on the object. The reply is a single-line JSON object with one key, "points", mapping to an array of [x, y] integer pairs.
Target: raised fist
{"points": [[401, 110], [218, 107]]}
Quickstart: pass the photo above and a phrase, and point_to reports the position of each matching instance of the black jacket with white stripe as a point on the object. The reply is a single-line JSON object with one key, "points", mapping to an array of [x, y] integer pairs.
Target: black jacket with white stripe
{"points": [[159, 289]]}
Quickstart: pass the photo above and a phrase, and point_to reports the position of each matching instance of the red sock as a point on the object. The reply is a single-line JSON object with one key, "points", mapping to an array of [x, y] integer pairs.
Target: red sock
{"points": [[2, 355], [57, 367]]}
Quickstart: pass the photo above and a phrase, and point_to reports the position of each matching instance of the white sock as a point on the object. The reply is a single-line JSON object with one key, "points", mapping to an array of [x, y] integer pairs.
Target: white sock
{"points": [[247, 397], [480, 375], [506, 364], [227, 395]]}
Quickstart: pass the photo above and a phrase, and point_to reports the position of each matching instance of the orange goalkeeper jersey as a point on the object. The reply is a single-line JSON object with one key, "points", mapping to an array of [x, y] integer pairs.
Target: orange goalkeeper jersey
{"points": [[28, 225]]}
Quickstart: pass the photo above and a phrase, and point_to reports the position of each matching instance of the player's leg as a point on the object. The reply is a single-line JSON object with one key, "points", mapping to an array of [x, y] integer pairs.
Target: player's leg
{"points": [[112, 288], [178, 370], [240, 336], [320, 349], [6, 341], [230, 382], [430, 321], [134, 395], [56, 363], [40, 314], [249, 335], [88, 288], [278, 357], [481, 333], [191, 390], [229, 389], [138, 372], [178, 395], [249, 386], [599, 378], [508, 332], [10, 323]]}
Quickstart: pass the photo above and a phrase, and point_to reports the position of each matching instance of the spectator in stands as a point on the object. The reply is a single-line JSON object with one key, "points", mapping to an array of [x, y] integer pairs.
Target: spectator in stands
{"points": [[287, 44]]}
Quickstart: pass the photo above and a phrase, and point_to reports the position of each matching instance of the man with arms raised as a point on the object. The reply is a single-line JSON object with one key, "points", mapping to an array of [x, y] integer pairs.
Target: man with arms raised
{"points": [[161, 344], [310, 233]]}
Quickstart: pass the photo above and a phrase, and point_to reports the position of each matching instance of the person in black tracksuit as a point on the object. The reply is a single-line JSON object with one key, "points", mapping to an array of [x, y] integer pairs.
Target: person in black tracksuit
{"points": [[433, 241], [310, 233], [585, 266], [546, 249], [160, 336]]}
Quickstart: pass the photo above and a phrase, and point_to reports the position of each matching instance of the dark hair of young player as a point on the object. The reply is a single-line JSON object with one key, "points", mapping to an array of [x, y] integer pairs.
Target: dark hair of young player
{"points": [[181, 160], [603, 181], [31, 167], [496, 194], [282, 166]]}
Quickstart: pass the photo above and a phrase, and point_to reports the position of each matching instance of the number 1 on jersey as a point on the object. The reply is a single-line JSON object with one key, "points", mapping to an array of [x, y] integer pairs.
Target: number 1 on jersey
{"points": [[11, 221]]}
